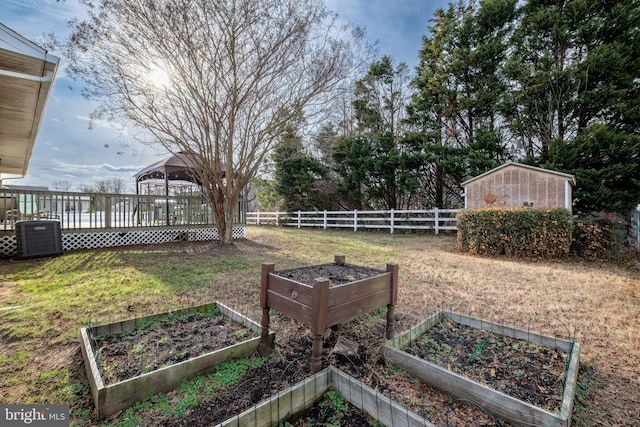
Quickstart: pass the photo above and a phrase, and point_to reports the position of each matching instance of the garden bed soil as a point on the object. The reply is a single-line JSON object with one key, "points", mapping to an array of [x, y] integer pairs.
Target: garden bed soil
{"points": [[332, 410], [335, 273], [527, 371], [170, 341], [290, 364], [165, 342]]}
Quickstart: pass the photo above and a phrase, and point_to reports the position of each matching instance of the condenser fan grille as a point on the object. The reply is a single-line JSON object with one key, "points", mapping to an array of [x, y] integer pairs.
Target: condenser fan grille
{"points": [[38, 239]]}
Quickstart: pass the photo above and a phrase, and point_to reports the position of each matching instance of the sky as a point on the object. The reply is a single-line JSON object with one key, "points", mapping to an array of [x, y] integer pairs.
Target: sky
{"points": [[68, 150]]}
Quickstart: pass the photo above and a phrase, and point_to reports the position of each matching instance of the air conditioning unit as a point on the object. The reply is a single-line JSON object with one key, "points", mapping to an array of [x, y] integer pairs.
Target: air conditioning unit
{"points": [[37, 239]]}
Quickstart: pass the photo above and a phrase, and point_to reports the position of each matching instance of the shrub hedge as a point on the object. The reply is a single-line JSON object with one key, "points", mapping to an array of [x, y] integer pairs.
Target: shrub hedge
{"points": [[522, 233], [600, 235]]}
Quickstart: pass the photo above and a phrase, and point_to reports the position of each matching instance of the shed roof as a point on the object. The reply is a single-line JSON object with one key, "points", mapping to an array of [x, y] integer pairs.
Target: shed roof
{"points": [[26, 77], [570, 178]]}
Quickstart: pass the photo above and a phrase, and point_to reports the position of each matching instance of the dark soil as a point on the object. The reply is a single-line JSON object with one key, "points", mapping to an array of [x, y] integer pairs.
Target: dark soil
{"points": [[332, 409], [286, 368], [337, 274], [515, 369], [165, 342], [526, 371]]}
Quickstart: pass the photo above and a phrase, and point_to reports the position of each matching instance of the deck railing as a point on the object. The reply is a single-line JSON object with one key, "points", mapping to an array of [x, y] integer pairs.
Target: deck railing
{"points": [[98, 211], [392, 220]]}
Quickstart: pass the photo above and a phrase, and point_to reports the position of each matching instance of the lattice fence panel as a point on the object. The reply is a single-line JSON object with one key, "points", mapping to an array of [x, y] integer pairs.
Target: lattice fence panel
{"points": [[106, 239], [8, 246]]}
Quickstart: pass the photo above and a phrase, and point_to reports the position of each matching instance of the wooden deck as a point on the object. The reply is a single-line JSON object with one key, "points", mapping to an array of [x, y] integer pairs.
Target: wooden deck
{"points": [[93, 220]]}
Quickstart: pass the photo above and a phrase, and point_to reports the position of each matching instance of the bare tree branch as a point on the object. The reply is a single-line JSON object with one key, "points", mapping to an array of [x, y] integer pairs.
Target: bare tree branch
{"points": [[236, 72]]}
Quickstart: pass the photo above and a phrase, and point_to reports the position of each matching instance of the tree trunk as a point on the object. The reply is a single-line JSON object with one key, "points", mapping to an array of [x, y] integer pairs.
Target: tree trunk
{"points": [[226, 212], [220, 213], [228, 231], [439, 186], [221, 224]]}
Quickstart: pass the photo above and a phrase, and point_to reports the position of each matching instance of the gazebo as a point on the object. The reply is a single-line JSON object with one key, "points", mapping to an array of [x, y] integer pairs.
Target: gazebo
{"points": [[178, 167]]}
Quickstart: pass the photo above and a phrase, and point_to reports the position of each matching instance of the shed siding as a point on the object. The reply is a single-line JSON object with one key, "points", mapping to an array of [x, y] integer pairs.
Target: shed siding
{"points": [[514, 186]]}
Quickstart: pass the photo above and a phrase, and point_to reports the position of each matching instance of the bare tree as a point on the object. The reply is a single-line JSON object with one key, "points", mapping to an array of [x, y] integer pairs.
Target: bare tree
{"points": [[61, 185], [111, 186], [218, 80]]}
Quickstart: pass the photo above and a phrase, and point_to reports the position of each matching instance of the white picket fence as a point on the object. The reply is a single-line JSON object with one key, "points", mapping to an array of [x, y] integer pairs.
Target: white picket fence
{"points": [[392, 220]]}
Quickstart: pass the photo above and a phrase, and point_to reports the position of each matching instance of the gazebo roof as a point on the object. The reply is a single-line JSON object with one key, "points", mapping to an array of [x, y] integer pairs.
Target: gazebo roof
{"points": [[178, 167]]}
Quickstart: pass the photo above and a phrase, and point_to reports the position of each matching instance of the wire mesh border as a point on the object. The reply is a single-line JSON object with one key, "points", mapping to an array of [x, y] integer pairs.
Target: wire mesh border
{"points": [[566, 344], [400, 415]]}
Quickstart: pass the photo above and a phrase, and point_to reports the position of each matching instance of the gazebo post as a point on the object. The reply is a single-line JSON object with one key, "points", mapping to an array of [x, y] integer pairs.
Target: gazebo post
{"points": [[166, 193], [137, 208], [180, 166]]}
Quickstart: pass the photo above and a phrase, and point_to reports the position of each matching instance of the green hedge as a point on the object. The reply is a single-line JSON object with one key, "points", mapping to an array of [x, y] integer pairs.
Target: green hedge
{"points": [[521, 233]]}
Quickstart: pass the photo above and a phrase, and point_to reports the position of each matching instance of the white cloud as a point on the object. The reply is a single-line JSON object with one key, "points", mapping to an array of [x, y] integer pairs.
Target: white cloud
{"points": [[67, 149]]}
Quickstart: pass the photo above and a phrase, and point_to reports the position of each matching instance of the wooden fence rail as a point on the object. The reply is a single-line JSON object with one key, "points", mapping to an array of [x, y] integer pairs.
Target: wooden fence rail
{"points": [[392, 220]]}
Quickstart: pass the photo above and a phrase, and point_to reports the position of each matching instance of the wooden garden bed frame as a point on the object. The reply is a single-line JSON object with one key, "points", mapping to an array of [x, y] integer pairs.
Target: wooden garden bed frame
{"points": [[284, 404], [322, 306], [109, 399], [504, 407]]}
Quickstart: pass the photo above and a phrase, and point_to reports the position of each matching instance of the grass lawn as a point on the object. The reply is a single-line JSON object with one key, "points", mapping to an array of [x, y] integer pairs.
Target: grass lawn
{"points": [[44, 302]]}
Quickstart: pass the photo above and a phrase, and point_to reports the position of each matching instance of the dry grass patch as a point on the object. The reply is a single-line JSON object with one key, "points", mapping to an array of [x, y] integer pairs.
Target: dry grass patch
{"points": [[38, 361]]}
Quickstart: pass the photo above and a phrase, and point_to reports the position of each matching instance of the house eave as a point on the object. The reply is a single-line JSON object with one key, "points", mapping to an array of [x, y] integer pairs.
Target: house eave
{"points": [[27, 73]]}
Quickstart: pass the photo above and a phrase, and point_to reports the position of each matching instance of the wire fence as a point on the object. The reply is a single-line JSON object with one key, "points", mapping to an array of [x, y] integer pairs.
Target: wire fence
{"points": [[402, 351], [305, 391]]}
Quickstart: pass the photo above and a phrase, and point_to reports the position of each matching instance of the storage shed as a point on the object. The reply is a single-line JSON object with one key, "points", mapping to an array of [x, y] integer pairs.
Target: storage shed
{"points": [[517, 185]]}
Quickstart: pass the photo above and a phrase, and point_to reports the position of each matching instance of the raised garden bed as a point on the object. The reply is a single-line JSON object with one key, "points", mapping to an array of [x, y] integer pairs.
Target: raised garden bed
{"points": [[332, 410], [479, 383], [288, 404], [112, 392], [326, 295]]}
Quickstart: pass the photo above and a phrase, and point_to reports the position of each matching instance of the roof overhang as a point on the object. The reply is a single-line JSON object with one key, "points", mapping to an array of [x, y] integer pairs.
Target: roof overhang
{"points": [[27, 72]]}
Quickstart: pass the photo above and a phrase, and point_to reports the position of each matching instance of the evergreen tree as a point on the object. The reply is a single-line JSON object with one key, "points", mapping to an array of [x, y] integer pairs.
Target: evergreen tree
{"points": [[459, 95], [297, 175], [373, 166], [540, 72], [577, 69], [352, 157], [381, 97], [606, 164], [323, 143], [267, 194], [608, 90]]}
